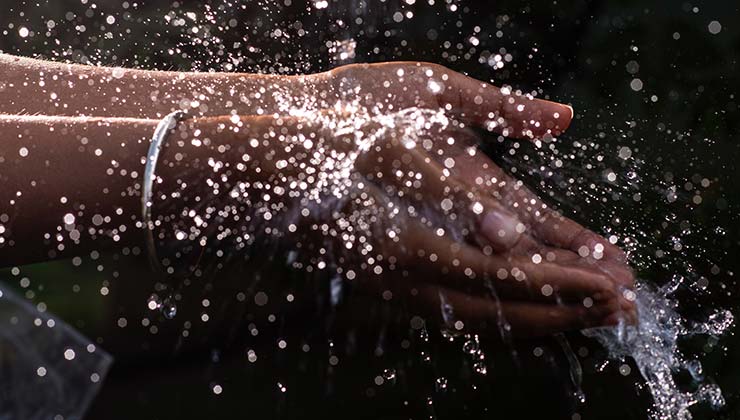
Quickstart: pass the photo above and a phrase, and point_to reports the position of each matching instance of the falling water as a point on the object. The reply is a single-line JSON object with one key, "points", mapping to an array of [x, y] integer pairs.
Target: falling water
{"points": [[653, 345]]}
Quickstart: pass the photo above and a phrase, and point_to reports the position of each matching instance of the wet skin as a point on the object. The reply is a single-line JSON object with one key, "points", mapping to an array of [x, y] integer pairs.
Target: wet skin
{"points": [[90, 134]]}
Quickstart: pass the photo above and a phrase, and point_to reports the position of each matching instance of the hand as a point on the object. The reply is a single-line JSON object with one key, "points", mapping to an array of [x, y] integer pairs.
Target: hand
{"points": [[375, 197], [387, 86], [508, 222], [392, 86], [382, 87]]}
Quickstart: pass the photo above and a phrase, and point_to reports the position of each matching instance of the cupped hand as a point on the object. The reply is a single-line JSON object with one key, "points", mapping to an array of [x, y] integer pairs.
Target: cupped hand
{"points": [[383, 201], [434, 167], [392, 86]]}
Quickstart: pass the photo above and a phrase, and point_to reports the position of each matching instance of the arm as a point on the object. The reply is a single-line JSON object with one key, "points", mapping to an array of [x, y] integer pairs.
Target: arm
{"points": [[75, 173], [29, 87], [69, 185], [84, 171]]}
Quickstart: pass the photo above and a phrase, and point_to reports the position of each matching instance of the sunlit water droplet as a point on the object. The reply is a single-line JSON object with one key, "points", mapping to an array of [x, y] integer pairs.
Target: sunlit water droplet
{"points": [[441, 384], [168, 308], [480, 367]]}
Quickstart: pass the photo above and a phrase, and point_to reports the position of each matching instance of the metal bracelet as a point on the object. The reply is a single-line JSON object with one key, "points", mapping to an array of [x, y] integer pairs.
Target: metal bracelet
{"points": [[164, 128]]}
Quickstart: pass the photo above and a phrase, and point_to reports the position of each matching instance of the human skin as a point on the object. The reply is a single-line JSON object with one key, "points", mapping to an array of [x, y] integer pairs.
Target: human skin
{"points": [[37, 87], [76, 169], [93, 173]]}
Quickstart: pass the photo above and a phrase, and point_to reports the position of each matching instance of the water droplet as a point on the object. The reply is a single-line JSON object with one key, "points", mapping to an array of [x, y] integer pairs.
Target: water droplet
{"points": [[695, 369], [168, 308], [480, 367], [441, 384], [153, 303], [625, 369], [625, 152], [580, 396], [713, 395], [69, 219], [714, 27], [118, 72], [470, 346]]}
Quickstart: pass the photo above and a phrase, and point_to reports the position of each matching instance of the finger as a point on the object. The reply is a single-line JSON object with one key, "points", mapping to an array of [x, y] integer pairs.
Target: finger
{"points": [[596, 250], [615, 271], [621, 273], [563, 232], [557, 280], [502, 110], [465, 266], [431, 85], [618, 272], [488, 315], [544, 223], [423, 251]]}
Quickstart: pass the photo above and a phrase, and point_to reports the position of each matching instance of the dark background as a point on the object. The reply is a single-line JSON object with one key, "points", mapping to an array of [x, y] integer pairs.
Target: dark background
{"points": [[681, 127]]}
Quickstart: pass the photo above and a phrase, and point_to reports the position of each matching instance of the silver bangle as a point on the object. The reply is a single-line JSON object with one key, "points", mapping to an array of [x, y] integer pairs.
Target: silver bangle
{"points": [[164, 128]]}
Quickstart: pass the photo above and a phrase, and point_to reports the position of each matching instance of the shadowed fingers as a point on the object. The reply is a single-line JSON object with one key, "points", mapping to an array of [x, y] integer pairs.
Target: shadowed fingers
{"points": [[486, 315], [466, 267]]}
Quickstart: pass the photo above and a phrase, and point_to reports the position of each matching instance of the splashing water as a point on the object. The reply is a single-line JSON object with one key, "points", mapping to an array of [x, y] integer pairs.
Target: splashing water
{"points": [[582, 169], [653, 345]]}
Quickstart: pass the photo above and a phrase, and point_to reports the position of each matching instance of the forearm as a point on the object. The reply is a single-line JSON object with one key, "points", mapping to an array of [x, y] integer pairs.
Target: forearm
{"points": [[37, 87], [66, 181], [71, 185]]}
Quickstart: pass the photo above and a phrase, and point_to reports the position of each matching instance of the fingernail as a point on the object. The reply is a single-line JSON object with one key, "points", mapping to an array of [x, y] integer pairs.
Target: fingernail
{"points": [[562, 119], [572, 113], [502, 229]]}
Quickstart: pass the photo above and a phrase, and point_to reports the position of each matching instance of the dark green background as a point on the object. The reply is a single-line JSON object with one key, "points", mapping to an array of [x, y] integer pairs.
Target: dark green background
{"points": [[585, 56]]}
